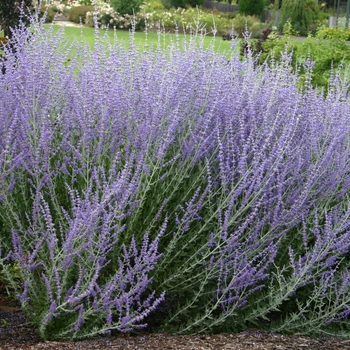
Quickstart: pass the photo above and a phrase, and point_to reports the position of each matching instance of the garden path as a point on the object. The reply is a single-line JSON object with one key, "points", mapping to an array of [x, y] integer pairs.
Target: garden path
{"points": [[64, 21]]}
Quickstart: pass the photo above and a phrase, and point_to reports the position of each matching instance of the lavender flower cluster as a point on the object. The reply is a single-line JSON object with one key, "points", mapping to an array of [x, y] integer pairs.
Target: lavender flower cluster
{"points": [[130, 178]]}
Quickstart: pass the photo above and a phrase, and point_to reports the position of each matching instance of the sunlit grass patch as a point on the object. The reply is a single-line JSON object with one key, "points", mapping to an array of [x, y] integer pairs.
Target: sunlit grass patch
{"points": [[141, 39]]}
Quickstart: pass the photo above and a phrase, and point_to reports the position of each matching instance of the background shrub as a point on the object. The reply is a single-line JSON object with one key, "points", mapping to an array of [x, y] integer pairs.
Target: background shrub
{"points": [[85, 2], [325, 55], [124, 7], [77, 14], [334, 34], [241, 23], [192, 3], [251, 7], [301, 13], [49, 14]]}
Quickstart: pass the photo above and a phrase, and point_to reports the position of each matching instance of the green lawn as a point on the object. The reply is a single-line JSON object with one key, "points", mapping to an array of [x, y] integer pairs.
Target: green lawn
{"points": [[141, 39]]}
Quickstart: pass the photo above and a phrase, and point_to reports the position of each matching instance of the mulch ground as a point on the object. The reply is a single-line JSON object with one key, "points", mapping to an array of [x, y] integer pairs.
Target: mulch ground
{"points": [[16, 332]]}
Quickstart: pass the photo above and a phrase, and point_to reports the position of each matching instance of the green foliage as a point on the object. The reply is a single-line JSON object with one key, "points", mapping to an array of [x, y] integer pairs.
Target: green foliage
{"points": [[126, 7], [168, 4], [325, 55], [252, 23], [86, 2], [334, 34], [78, 13], [192, 3], [288, 29], [10, 14], [10, 279], [251, 7], [301, 13], [2, 42], [152, 6]]}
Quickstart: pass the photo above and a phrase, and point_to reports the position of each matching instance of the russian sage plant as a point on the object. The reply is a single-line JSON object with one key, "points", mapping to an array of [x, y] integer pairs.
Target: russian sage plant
{"points": [[210, 183]]}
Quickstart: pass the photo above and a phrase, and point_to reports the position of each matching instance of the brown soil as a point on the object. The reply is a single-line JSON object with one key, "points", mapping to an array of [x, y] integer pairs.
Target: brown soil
{"points": [[17, 333]]}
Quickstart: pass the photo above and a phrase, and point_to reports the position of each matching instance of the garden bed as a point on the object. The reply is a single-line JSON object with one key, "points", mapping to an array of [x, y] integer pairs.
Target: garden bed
{"points": [[19, 335]]}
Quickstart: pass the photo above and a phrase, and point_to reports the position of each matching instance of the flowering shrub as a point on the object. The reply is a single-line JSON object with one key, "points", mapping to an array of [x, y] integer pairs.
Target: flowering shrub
{"points": [[64, 7], [184, 19], [154, 16], [125, 175], [108, 18]]}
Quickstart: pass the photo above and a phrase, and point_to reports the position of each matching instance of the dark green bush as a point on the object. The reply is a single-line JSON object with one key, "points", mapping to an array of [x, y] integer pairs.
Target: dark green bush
{"points": [[251, 7], [10, 14], [79, 12], [192, 3], [168, 4], [86, 2], [126, 6]]}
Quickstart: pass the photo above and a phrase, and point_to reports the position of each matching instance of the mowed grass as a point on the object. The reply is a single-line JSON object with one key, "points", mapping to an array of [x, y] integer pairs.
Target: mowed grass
{"points": [[141, 39]]}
